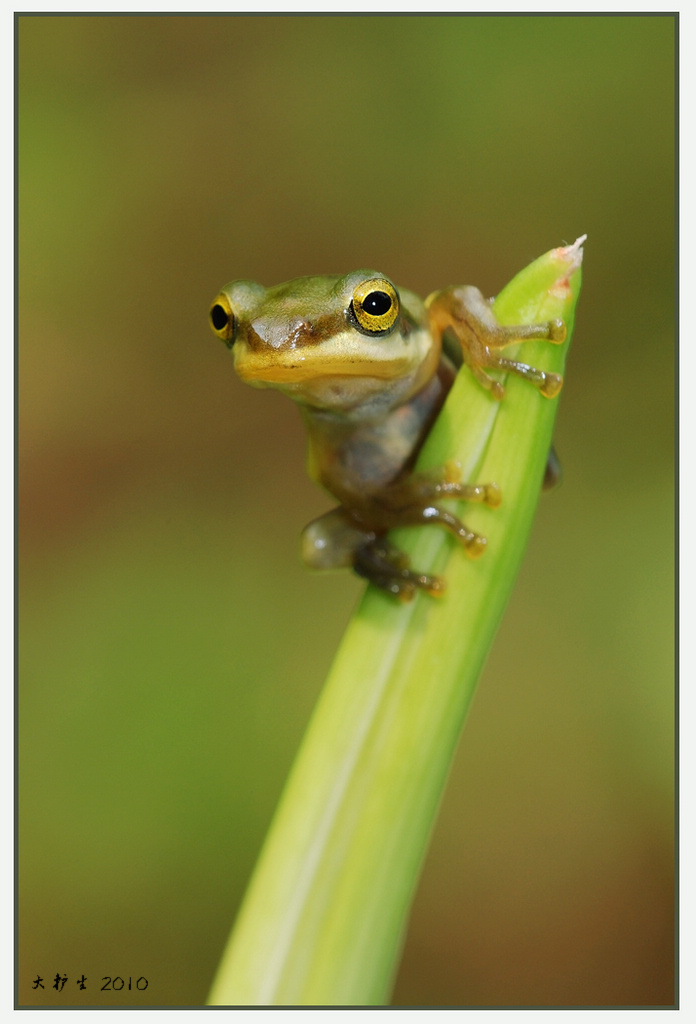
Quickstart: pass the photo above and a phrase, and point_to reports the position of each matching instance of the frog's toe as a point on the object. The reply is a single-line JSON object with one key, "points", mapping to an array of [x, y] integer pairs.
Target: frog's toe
{"points": [[493, 496], [435, 585], [475, 545], [405, 587], [557, 331], [551, 385]]}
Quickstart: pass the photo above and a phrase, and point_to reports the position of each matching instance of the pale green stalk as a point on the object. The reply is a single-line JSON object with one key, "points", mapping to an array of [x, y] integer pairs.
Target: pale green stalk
{"points": [[324, 917]]}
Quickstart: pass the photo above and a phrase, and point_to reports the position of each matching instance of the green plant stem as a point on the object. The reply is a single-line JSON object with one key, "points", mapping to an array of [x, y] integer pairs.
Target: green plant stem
{"points": [[323, 919]]}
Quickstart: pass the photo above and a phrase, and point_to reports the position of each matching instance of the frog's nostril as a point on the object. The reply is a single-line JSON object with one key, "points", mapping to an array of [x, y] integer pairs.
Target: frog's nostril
{"points": [[219, 317]]}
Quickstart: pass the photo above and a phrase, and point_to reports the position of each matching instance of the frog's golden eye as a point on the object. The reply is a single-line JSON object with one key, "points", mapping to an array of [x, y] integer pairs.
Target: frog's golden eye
{"points": [[222, 319], [375, 305]]}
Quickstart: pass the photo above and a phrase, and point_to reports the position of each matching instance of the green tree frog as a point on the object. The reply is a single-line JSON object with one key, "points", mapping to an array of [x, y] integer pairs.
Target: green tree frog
{"points": [[366, 364]]}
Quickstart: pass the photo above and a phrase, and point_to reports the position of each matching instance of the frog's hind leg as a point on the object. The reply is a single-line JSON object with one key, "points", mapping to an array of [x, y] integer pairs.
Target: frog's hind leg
{"points": [[388, 568], [334, 541], [331, 541]]}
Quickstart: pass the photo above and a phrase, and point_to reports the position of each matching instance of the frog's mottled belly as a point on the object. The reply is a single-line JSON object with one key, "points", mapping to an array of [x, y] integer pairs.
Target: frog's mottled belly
{"points": [[356, 460]]}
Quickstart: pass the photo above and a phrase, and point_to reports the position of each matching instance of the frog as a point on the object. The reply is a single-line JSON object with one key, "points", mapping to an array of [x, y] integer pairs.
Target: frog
{"points": [[369, 366]]}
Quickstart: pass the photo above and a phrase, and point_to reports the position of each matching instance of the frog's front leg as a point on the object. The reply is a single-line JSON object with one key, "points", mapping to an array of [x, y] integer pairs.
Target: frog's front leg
{"points": [[469, 315]]}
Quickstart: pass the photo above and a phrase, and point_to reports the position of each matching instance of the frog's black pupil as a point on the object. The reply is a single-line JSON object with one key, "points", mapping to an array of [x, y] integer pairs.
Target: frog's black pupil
{"points": [[377, 303], [219, 316]]}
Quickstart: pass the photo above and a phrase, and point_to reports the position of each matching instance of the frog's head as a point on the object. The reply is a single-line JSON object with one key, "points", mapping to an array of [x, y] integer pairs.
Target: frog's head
{"points": [[331, 342]]}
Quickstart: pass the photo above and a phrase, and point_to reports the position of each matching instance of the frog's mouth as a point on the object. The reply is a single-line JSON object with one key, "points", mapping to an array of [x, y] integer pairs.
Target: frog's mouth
{"points": [[383, 359], [298, 369]]}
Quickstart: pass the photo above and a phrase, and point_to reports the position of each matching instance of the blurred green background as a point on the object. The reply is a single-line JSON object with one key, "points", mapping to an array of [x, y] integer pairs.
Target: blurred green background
{"points": [[172, 646]]}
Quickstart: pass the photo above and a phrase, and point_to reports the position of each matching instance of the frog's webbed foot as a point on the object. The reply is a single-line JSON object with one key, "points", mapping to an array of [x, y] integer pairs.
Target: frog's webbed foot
{"points": [[465, 311], [388, 568], [414, 501]]}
